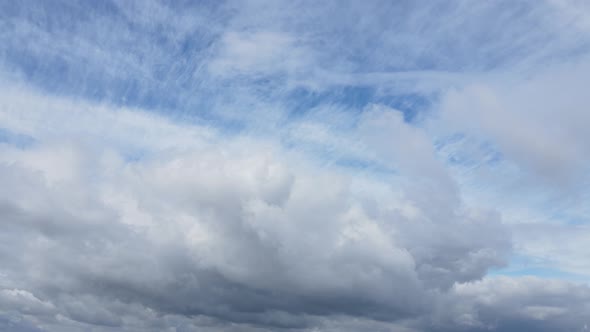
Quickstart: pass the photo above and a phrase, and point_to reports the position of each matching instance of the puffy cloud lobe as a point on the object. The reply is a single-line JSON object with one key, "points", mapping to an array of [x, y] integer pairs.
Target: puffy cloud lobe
{"points": [[246, 234], [224, 236], [243, 232]]}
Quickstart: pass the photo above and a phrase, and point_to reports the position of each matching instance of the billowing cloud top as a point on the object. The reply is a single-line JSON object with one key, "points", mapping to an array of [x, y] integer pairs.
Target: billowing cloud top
{"points": [[410, 166]]}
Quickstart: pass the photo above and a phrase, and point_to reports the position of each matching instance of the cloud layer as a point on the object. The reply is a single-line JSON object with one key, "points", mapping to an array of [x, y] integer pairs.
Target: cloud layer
{"points": [[294, 166]]}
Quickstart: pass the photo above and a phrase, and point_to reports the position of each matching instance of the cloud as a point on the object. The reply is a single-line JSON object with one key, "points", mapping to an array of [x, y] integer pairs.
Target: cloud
{"points": [[259, 53], [545, 136], [301, 166], [532, 132], [231, 232], [239, 236], [525, 304]]}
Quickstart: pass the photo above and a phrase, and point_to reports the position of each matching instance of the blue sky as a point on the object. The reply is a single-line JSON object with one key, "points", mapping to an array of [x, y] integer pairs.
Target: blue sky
{"points": [[333, 166]]}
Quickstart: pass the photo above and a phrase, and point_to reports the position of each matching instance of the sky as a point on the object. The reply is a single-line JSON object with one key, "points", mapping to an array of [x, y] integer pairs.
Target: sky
{"points": [[297, 166]]}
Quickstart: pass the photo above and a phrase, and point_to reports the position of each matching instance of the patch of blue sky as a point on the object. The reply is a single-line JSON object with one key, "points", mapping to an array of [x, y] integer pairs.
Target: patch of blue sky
{"points": [[15, 139], [354, 99], [155, 69], [451, 149], [373, 168], [330, 156], [517, 269], [565, 214], [57, 75], [410, 104], [147, 66], [134, 155], [458, 151]]}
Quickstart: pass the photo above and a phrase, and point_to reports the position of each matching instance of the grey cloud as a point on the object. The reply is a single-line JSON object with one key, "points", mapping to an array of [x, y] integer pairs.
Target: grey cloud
{"points": [[122, 220], [545, 136], [533, 131], [230, 236], [520, 303], [17, 324], [242, 237]]}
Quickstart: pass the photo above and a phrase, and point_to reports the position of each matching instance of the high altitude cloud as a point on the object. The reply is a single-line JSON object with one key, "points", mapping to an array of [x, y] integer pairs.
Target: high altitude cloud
{"points": [[298, 166]]}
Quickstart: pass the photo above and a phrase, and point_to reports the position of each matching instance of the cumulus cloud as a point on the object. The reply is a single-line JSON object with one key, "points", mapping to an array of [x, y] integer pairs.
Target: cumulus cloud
{"points": [[230, 232], [298, 166]]}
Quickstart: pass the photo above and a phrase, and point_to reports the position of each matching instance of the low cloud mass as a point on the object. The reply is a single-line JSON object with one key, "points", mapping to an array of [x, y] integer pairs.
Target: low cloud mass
{"points": [[294, 166]]}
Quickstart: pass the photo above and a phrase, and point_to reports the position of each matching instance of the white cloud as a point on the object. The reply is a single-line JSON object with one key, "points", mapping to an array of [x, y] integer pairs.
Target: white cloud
{"points": [[183, 222], [258, 53], [538, 123], [245, 191]]}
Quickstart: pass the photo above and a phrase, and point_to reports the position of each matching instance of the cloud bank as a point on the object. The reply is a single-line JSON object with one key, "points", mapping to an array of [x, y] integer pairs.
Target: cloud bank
{"points": [[294, 166]]}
